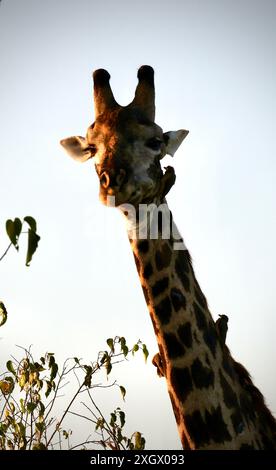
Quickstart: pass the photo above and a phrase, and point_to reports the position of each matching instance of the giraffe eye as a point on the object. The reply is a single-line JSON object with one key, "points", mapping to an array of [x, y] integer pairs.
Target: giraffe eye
{"points": [[93, 149], [154, 143]]}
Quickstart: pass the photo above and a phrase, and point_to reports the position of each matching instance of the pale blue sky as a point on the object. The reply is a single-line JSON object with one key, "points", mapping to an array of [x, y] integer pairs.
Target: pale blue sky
{"points": [[215, 64]]}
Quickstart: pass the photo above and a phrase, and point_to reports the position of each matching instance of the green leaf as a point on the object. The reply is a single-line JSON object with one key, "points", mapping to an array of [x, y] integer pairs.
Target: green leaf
{"points": [[145, 352], [48, 389], [3, 314], [125, 350], [123, 342], [17, 226], [113, 418], [32, 367], [22, 405], [10, 367], [110, 343], [7, 385], [12, 407], [54, 371], [13, 229], [22, 428], [139, 441], [99, 424], [104, 357], [31, 406], [39, 384], [31, 222], [77, 361], [123, 391], [39, 446], [108, 366], [122, 418], [120, 437], [42, 408], [33, 240], [88, 376], [22, 380], [22, 443], [51, 360], [135, 348], [40, 427]]}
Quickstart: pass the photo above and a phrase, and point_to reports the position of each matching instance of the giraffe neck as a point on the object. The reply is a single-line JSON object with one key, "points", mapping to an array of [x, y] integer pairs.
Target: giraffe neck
{"points": [[211, 409]]}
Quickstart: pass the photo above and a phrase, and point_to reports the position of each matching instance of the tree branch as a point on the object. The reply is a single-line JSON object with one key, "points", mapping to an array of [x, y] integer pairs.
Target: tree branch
{"points": [[4, 254]]}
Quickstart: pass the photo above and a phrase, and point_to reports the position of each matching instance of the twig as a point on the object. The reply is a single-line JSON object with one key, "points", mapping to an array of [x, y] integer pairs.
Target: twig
{"points": [[65, 413], [82, 416], [4, 254], [56, 392], [83, 443], [108, 428]]}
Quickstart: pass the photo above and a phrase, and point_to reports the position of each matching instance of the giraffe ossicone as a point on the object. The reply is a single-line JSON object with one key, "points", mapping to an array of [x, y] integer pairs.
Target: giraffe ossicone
{"points": [[215, 403]]}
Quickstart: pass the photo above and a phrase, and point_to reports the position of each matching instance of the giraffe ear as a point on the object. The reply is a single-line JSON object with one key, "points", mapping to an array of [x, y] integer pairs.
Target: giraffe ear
{"points": [[173, 140], [77, 147]]}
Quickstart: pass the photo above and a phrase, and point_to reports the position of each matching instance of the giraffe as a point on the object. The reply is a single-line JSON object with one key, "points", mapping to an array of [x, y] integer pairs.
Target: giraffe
{"points": [[215, 403]]}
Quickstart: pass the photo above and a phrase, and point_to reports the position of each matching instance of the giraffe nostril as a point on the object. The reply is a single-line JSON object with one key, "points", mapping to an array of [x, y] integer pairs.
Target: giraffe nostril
{"points": [[104, 179]]}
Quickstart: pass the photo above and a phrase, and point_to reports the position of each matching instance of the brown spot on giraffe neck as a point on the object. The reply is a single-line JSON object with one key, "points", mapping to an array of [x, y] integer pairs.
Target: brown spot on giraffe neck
{"points": [[148, 271], [217, 427], [230, 397], [143, 246], [160, 286], [185, 334], [182, 269], [210, 337], [181, 382], [197, 428], [237, 421], [174, 347], [164, 311], [203, 377], [178, 299], [200, 317], [207, 427], [163, 257], [247, 407]]}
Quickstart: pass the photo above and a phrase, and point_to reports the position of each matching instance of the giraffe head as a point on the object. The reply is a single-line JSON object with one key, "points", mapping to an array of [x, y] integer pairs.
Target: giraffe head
{"points": [[126, 144]]}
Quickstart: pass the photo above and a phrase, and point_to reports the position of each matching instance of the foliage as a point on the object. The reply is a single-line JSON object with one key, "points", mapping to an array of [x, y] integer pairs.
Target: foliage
{"points": [[30, 388], [14, 230]]}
